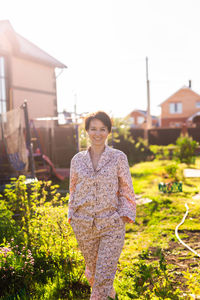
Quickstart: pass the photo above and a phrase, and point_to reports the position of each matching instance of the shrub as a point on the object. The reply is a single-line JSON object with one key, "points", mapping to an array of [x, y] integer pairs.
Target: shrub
{"points": [[44, 264], [149, 280], [163, 152], [171, 170], [7, 224], [16, 268], [185, 151], [23, 199], [136, 150]]}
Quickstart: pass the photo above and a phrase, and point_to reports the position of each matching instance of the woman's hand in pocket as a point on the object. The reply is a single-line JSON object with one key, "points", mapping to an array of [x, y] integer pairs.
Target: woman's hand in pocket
{"points": [[126, 220]]}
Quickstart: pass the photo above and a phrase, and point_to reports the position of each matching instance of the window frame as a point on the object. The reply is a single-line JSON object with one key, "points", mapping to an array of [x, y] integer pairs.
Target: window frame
{"points": [[197, 104], [174, 107], [132, 120], [140, 120]]}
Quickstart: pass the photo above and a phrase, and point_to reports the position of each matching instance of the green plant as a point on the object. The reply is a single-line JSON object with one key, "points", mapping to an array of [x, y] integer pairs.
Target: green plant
{"points": [[121, 138], [57, 267], [149, 280], [83, 138], [7, 224], [193, 282], [185, 151], [22, 200], [16, 268], [120, 129], [171, 170], [163, 152]]}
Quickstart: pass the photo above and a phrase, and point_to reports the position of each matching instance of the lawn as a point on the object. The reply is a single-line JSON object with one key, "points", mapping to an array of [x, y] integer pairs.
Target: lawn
{"points": [[151, 241]]}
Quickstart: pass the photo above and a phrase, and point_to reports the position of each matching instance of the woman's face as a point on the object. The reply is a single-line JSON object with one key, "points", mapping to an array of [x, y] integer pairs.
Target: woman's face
{"points": [[97, 132]]}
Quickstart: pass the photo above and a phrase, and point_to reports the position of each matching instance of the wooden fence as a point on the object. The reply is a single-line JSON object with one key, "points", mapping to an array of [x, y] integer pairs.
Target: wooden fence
{"points": [[57, 143], [165, 136]]}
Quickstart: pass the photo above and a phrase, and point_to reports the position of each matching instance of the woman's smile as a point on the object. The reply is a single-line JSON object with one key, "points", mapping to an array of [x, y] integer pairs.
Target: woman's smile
{"points": [[97, 132]]}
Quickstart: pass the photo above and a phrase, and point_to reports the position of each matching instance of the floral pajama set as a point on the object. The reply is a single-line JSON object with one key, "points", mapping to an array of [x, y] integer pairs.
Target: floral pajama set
{"points": [[98, 200]]}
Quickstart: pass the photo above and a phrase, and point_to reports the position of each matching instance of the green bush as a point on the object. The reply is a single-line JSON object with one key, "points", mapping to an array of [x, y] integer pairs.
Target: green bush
{"points": [[171, 170], [43, 261], [16, 268], [136, 150], [163, 152], [185, 151], [7, 224], [149, 280]]}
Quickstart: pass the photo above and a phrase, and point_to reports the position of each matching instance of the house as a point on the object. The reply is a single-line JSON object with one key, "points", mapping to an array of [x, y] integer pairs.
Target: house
{"points": [[137, 119], [181, 109], [26, 72]]}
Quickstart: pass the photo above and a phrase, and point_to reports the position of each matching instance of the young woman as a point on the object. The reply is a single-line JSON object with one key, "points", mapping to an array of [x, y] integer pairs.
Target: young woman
{"points": [[101, 201]]}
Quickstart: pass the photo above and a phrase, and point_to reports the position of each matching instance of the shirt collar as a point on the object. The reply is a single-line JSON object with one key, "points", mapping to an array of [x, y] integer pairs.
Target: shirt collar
{"points": [[104, 159]]}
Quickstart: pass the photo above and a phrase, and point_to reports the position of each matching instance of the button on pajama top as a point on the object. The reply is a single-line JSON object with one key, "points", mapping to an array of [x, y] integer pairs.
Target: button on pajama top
{"points": [[98, 200]]}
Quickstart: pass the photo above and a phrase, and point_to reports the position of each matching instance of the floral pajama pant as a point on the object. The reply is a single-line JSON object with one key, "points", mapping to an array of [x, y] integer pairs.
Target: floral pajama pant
{"points": [[101, 243]]}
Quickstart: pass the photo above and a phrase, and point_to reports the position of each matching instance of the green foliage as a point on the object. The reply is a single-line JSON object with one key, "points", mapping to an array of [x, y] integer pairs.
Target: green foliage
{"points": [[141, 145], [154, 228], [171, 170], [185, 151], [83, 138], [23, 199], [144, 280], [43, 251], [163, 152], [16, 268], [58, 266], [120, 128], [193, 282], [121, 138], [7, 224]]}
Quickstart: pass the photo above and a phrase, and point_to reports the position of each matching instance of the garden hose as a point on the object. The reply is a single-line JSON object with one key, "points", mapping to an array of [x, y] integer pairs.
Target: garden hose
{"points": [[176, 232]]}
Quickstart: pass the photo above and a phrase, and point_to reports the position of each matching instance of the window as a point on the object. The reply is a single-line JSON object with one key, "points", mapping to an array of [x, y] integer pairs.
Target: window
{"points": [[2, 86], [198, 104], [140, 120], [132, 120], [175, 108]]}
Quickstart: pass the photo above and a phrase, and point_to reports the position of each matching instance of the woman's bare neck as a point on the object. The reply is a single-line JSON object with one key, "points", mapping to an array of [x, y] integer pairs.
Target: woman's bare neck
{"points": [[97, 150]]}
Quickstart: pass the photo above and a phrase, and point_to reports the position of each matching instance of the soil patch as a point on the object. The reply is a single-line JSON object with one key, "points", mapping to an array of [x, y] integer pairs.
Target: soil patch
{"points": [[179, 258]]}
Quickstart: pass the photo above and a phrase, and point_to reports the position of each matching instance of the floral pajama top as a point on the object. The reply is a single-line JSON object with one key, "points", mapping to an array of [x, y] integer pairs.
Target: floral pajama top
{"points": [[108, 188]]}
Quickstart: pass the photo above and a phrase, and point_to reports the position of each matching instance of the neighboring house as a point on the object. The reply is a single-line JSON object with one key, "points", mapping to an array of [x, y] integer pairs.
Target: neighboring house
{"points": [[180, 109], [26, 72], [137, 119]]}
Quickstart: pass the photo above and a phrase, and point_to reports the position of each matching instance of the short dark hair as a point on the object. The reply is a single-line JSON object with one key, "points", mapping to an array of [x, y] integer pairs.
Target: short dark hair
{"points": [[99, 115]]}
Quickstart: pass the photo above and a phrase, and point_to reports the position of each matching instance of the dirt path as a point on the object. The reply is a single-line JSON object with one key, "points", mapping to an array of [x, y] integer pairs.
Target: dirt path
{"points": [[180, 258]]}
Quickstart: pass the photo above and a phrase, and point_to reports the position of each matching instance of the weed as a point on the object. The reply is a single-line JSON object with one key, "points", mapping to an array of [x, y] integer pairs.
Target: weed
{"points": [[149, 280]]}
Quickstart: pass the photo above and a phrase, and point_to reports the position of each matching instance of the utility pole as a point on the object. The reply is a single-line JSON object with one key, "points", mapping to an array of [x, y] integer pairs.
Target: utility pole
{"points": [[148, 121]]}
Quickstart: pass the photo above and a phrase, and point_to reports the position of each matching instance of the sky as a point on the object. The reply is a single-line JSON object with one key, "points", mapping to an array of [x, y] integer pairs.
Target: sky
{"points": [[104, 44]]}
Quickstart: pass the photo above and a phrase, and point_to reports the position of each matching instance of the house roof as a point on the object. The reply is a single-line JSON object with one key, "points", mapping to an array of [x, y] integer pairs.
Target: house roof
{"points": [[24, 48], [143, 112], [183, 88]]}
